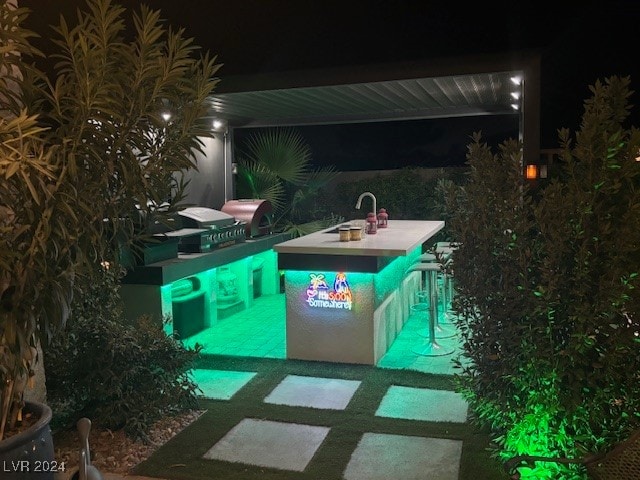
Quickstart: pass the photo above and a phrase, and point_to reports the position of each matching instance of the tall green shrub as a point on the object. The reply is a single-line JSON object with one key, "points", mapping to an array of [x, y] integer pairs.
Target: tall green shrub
{"points": [[118, 374], [590, 231], [548, 289], [80, 149]]}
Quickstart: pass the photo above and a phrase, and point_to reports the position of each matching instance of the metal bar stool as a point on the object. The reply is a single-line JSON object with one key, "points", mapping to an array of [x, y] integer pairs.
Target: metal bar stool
{"points": [[443, 329], [444, 250], [431, 347]]}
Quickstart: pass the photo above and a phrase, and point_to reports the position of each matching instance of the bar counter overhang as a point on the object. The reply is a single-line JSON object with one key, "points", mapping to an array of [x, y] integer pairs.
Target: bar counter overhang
{"points": [[347, 301]]}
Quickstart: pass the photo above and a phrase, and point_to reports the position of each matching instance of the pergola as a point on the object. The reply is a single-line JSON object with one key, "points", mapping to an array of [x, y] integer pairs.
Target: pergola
{"points": [[439, 88]]}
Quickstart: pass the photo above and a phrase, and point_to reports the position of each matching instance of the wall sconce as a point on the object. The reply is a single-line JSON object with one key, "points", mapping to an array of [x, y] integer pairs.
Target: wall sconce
{"points": [[531, 172]]}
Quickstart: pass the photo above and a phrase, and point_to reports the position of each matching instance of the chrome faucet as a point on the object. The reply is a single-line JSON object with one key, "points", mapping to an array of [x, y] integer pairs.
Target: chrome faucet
{"points": [[367, 194]]}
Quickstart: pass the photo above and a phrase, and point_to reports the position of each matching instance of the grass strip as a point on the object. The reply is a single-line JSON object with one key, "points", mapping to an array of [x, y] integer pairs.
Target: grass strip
{"points": [[181, 458]]}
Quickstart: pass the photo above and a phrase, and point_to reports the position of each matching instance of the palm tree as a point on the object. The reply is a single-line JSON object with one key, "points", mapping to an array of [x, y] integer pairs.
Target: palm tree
{"points": [[274, 165]]}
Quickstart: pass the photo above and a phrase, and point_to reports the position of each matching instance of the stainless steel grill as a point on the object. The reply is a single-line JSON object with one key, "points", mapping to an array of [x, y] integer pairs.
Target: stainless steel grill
{"points": [[220, 230]]}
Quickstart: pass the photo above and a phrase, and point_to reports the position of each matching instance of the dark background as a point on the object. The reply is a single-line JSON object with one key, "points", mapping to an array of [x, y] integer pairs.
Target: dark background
{"points": [[579, 42]]}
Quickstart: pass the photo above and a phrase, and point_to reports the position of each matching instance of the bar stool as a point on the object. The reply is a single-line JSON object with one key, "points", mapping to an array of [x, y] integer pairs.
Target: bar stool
{"points": [[441, 330], [431, 347], [427, 258], [444, 251]]}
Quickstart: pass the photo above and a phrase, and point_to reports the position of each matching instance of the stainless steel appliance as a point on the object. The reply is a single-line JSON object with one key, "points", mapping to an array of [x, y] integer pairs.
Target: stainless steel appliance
{"points": [[220, 230]]}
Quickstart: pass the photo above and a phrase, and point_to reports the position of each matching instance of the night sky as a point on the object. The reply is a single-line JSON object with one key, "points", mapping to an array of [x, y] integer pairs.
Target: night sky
{"points": [[579, 42]]}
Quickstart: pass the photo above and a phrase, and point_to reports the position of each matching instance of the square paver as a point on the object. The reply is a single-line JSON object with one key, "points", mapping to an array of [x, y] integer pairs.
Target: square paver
{"points": [[285, 446], [382, 457], [315, 392], [221, 384], [423, 404]]}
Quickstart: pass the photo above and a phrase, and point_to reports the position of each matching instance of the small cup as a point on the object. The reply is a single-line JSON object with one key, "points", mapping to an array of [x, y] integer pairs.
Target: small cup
{"points": [[344, 233], [355, 233]]}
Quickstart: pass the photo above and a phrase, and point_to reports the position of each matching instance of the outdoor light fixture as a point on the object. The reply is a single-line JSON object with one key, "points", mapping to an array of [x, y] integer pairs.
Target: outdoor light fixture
{"points": [[515, 95], [219, 125], [531, 173], [515, 106], [166, 116], [516, 80]]}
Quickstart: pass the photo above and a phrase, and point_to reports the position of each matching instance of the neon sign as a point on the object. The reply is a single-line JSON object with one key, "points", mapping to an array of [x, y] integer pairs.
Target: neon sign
{"points": [[319, 294]]}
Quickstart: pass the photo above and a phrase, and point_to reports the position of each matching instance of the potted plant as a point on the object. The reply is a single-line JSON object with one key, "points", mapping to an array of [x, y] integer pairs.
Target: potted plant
{"points": [[81, 149]]}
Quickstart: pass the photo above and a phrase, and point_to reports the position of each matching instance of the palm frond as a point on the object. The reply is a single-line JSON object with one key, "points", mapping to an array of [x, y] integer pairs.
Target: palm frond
{"points": [[283, 151], [255, 180]]}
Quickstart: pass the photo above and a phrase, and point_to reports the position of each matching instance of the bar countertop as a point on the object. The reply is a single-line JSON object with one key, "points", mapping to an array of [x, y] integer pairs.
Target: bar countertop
{"points": [[398, 239]]}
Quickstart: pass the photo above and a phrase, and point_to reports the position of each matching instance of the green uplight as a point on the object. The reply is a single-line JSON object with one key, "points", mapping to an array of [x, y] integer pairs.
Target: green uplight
{"points": [[540, 434]]}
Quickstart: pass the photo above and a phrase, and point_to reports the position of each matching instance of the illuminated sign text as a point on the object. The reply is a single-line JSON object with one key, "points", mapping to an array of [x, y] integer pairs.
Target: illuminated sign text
{"points": [[319, 294]]}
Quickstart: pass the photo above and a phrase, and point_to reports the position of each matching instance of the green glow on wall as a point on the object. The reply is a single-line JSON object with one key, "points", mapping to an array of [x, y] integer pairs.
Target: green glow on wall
{"points": [[390, 277], [167, 309]]}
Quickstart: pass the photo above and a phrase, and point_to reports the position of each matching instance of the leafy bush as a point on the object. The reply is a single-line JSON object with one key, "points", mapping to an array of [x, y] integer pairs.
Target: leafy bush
{"points": [[119, 375], [405, 193], [83, 143], [548, 295]]}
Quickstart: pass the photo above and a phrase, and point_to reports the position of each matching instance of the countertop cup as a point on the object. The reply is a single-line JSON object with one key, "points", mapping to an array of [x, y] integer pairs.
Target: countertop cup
{"points": [[355, 233]]}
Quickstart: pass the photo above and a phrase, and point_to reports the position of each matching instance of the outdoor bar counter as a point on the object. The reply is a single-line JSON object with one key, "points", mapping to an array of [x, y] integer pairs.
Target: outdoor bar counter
{"points": [[347, 301]]}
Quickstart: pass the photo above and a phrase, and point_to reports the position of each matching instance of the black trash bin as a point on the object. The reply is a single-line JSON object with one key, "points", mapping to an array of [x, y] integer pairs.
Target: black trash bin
{"points": [[257, 265], [187, 298]]}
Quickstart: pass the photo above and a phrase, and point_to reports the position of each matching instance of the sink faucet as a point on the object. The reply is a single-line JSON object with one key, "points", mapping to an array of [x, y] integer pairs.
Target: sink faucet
{"points": [[367, 194]]}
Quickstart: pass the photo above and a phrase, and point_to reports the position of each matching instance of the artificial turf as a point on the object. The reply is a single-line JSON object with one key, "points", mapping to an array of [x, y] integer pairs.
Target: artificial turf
{"points": [[181, 458]]}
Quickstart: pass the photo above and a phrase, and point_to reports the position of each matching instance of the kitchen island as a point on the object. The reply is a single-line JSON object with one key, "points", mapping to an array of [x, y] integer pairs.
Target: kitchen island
{"points": [[347, 301]]}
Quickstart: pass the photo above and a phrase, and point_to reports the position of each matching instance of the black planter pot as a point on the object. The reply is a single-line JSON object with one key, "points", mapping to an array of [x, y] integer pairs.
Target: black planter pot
{"points": [[29, 454]]}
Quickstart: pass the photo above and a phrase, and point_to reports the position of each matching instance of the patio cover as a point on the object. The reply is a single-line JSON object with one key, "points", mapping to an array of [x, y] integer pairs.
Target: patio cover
{"points": [[438, 88]]}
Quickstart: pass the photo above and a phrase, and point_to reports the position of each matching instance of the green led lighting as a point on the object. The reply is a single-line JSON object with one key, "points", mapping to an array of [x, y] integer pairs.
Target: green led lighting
{"points": [[167, 309], [542, 432], [366, 290], [391, 276]]}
